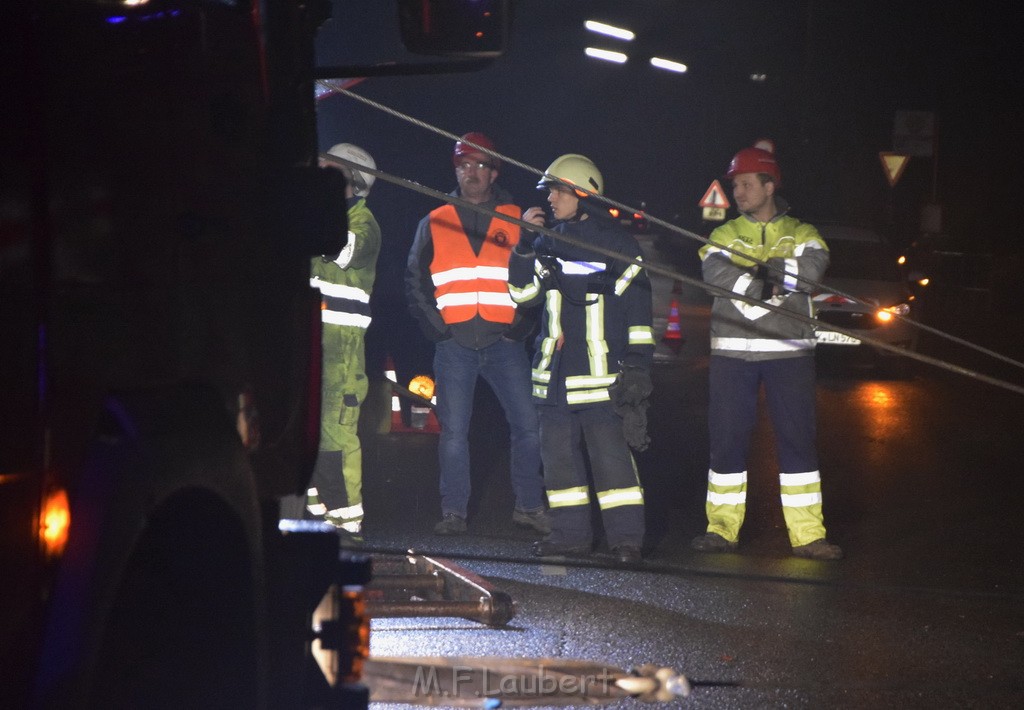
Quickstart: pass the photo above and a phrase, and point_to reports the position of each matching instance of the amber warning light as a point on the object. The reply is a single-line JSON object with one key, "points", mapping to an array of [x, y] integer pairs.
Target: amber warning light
{"points": [[422, 385], [55, 522]]}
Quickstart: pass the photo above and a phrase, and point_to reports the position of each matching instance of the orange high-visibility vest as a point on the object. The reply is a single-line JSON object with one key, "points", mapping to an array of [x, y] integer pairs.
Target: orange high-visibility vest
{"points": [[466, 283]]}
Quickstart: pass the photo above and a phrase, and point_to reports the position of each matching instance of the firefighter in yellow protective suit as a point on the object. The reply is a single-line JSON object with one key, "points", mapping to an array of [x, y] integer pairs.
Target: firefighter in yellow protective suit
{"points": [[345, 282]]}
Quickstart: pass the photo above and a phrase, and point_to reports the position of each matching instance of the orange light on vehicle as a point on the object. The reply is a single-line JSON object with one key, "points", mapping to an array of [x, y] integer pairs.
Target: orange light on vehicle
{"points": [[358, 632], [55, 522], [422, 385], [341, 629], [886, 315]]}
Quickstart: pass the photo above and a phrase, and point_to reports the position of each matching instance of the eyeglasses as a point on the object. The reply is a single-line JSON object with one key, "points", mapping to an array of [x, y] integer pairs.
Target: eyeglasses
{"points": [[466, 165]]}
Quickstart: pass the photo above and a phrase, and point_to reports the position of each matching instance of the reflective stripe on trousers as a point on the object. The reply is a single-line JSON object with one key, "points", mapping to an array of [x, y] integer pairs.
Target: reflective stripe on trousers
{"points": [[800, 494]]}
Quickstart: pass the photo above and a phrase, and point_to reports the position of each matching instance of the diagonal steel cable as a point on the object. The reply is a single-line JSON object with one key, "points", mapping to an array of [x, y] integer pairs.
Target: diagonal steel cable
{"points": [[655, 268]]}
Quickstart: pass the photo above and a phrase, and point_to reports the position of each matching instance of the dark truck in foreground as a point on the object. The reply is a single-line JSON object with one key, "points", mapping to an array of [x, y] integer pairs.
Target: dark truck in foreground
{"points": [[159, 365]]}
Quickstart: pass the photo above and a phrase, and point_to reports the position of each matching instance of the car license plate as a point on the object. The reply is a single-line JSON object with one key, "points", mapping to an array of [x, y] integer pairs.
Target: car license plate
{"points": [[833, 338]]}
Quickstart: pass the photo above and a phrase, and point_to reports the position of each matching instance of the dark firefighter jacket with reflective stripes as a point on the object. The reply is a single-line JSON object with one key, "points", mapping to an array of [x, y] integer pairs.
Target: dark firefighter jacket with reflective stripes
{"points": [[746, 330], [596, 310]]}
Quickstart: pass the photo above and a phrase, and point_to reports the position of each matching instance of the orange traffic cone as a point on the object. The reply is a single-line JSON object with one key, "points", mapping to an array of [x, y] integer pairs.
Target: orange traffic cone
{"points": [[396, 404], [673, 336], [673, 330]]}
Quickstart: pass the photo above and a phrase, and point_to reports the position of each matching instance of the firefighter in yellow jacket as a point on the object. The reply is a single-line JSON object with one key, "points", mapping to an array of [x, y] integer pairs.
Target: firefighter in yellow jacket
{"points": [[752, 346], [345, 282]]}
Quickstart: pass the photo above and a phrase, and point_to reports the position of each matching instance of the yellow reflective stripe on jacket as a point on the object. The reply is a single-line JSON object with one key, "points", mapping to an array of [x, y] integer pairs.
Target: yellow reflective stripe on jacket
{"points": [[588, 381], [597, 346], [354, 320], [327, 288], [587, 396], [623, 282], [641, 334]]}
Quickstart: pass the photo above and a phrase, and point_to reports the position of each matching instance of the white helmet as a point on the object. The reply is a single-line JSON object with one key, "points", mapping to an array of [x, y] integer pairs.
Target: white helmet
{"points": [[575, 169], [361, 182]]}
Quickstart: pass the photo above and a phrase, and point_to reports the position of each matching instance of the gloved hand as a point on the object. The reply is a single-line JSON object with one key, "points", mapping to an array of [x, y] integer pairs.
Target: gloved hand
{"points": [[630, 395], [525, 244], [632, 386], [776, 273], [761, 287], [634, 427]]}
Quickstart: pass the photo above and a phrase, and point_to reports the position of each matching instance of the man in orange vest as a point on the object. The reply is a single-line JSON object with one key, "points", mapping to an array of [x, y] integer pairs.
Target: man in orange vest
{"points": [[457, 287]]}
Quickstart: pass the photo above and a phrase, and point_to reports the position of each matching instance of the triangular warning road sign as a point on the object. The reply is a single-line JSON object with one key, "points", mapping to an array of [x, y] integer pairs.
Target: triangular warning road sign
{"points": [[715, 197], [893, 164]]}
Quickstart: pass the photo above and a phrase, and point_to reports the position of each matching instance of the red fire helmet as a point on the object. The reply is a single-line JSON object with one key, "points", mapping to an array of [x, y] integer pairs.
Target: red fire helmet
{"points": [[463, 149], [758, 159]]}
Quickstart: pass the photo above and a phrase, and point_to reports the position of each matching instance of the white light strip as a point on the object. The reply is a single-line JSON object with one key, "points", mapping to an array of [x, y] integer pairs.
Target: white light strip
{"points": [[668, 64], [617, 57], [610, 30]]}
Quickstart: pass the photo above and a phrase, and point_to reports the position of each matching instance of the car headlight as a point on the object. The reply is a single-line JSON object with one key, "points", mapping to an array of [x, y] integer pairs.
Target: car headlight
{"points": [[885, 315]]}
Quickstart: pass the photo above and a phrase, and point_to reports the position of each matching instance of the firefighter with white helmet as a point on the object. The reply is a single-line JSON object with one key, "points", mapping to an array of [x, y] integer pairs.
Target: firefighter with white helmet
{"points": [[595, 341], [753, 346], [361, 181], [575, 170], [345, 282]]}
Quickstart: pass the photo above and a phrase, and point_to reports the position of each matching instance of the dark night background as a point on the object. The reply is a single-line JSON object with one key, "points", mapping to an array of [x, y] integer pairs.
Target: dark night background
{"points": [[837, 74]]}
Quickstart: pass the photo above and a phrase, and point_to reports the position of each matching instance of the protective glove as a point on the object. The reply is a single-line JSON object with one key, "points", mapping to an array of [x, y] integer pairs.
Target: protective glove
{"points": [[632, 386], [525, 245], [777, 273], [630, 395], [761, 287], [634, 427]]}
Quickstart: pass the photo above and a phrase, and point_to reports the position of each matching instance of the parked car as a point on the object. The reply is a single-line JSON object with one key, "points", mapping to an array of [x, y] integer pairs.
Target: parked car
{"points": [[865, 267]]}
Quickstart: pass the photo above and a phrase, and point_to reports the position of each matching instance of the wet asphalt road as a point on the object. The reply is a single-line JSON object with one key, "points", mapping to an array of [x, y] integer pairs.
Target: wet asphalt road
{"points": [[922, 489]]}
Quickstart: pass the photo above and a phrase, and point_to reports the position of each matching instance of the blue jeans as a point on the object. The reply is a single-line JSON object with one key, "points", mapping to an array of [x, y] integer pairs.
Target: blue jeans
{"points": [[506, 368]]}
